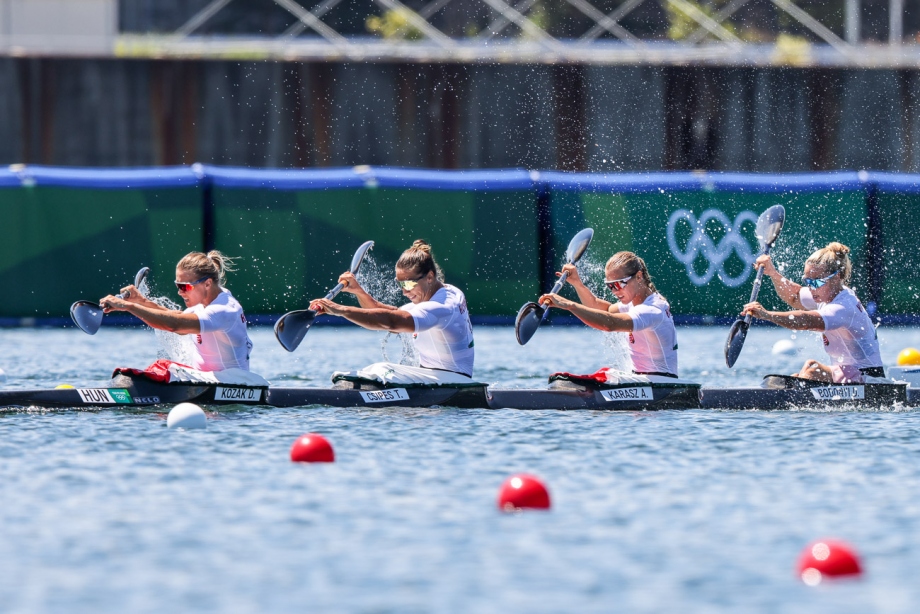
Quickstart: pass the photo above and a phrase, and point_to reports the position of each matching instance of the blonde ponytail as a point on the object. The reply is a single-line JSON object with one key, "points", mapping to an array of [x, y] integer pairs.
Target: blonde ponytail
{"points": [[213, 265]]}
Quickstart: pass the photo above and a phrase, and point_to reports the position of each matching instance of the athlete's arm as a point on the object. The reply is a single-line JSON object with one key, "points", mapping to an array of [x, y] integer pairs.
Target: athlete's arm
{"points": [[787, 289], [133, 295], [606, 320], [365, 300], [587, 298], [159, 318], [793, 320], [393, 320]]}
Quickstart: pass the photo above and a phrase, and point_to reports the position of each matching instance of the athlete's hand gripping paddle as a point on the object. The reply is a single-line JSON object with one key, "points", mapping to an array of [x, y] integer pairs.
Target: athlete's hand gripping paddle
{"points": [[532, 315], [769, 225], [88, 316], [292, 327]]}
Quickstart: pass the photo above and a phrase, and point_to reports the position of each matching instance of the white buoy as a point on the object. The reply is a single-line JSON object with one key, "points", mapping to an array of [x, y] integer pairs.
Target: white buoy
{"points": [[186, 416], [785, 347]]}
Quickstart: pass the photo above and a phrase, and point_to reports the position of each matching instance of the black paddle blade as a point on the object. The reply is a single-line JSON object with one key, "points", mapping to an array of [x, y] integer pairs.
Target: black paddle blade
{"points": [[528, 320], [292, 327], [87, 316], [735, 341]]}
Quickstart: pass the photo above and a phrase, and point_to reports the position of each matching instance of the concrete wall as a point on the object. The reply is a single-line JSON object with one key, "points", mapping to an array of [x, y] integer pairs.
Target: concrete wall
{"points": [[75, 26]]}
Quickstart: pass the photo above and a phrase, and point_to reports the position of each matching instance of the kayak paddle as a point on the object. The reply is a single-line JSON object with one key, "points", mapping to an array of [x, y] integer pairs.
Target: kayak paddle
{"points": [[88, 316], [292, 327], [769, 225], [531, 315]]}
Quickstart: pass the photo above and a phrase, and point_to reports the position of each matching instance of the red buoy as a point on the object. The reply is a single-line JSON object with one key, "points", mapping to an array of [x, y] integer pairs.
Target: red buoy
{"points": [[827, 558], [312, 448], [523, 491]]}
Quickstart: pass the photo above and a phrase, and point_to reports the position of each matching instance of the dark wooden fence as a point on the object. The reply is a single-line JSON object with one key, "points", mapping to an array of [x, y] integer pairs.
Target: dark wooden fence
{"points": [[94, 112]]}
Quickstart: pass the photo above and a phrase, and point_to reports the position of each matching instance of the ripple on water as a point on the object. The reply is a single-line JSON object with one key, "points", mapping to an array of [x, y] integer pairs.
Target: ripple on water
{"points": [[693, 511]]}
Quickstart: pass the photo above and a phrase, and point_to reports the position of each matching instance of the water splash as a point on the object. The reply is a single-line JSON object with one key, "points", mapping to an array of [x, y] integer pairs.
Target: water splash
{"points": [[178, 348], [144, 288], [377, 279], [405, 344], [616, 346]]}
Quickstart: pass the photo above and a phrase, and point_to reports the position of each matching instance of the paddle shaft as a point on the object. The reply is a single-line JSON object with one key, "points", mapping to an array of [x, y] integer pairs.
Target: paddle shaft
{"points": [[758, 281], [138, 280], [354, 268], [334, 292], [556, 288], [121, 295]]}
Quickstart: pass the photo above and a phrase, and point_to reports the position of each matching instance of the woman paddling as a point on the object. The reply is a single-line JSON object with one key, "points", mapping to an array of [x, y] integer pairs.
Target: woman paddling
{"points": [[212, 314], [826, 305], [437, 315], [640, 311]]}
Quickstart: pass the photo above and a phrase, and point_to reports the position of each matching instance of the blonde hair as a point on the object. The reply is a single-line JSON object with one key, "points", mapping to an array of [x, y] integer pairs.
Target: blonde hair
{"points": [[213, 265], [419, 260], [633, 264], [834, 258]]}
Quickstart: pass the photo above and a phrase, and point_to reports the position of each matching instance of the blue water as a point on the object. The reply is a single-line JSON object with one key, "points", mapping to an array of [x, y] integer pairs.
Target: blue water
{"points": [[694, 511]]}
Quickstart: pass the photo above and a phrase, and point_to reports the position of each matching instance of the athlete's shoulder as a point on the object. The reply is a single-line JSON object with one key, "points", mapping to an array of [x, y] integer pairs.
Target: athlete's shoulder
{"points": [[846, 297], [653, 302], [451, 296], [658, 300], [225, 301], [454, 291], [850, 293]]}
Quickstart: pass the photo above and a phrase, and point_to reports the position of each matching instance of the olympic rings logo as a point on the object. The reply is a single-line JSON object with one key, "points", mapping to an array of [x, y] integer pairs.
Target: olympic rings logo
{"points": [[701, 244]]}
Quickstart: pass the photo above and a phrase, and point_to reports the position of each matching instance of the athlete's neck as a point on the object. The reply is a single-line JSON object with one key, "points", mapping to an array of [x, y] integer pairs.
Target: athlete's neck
{"points": [[437, 285], [643, 293]]}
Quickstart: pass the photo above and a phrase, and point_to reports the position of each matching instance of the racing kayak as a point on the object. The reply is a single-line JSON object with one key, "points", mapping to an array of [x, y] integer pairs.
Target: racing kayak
{"points": [[778, 392], [138, 391], [786, 392]]}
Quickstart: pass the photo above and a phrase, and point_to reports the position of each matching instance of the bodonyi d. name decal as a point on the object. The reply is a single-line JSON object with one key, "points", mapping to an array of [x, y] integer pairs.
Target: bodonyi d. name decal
{"points": [[637, 393], [240, 395], [839, 393], [382, 396]]}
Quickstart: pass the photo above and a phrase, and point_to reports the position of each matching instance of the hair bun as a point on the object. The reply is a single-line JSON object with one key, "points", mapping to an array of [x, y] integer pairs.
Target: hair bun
{"points": [[839, 248], [421, 244], [419, 260]]}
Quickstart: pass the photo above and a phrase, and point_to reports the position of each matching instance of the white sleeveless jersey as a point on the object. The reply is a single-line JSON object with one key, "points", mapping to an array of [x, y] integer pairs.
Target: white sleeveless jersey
{"points": [[223, 342], [653, 341], [443, 332], [849, 336]]}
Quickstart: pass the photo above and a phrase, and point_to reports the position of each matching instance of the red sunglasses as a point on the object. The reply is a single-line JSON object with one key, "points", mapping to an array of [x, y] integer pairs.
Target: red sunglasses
{"points": [[618, 284], [185, 286]]}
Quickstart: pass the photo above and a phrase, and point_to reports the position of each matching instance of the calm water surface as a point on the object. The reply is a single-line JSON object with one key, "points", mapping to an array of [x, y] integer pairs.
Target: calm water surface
{"points": [[695, 511]]}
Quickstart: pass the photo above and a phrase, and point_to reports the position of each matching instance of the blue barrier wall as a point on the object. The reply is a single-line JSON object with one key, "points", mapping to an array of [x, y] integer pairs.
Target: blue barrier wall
{"points": [[499, 234]]}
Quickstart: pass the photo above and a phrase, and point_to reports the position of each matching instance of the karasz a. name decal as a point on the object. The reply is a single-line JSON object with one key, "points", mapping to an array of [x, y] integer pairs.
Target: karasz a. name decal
{"points": [[637, 393]]}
